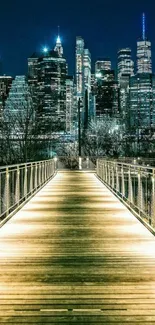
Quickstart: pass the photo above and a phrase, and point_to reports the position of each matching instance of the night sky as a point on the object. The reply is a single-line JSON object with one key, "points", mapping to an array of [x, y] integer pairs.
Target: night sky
{"points": [[106, 26]]}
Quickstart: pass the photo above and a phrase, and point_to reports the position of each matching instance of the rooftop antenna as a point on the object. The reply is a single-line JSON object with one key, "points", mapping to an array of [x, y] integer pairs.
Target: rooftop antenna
{"points": [[143, 26]]}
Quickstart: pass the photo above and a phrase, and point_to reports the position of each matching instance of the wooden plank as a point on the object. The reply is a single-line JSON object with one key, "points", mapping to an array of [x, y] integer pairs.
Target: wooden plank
{"points": [[75, 255]]}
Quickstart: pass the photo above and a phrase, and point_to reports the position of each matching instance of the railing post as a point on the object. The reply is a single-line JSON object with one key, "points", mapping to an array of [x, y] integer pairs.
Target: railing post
{"points": [[35, 171], [39, 173], [108, 173], [130, 187], [113, 177], [152, 221], [123, 182], [25, 181], [6, 196], [117, 179], [140, 191], [31, 178], [45, 164], [17, 194]]}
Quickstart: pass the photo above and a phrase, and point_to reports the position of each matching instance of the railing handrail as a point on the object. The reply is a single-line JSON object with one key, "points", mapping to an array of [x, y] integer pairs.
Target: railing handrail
{"points": [[127, 164], [134, 185], [19, 182], [25, 163]]}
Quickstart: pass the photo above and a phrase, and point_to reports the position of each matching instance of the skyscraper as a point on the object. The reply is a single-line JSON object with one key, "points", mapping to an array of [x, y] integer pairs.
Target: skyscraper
{"points": [[47, 76], [19, 105], [107, 95], [102, 64], [125, 69], [58, 48], [87, 77], [83, 77], [142, 107], [79, 67], [69, 103], [125, 65], [144, 61], [5, 85]]}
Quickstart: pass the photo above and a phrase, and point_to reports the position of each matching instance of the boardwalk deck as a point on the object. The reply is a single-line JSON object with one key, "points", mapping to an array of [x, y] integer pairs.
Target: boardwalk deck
{"points": [[75, 255]]}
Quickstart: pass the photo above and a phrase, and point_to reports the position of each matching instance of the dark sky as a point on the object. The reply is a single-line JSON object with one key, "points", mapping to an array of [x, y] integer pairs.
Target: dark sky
{"points": [[106, 26]]}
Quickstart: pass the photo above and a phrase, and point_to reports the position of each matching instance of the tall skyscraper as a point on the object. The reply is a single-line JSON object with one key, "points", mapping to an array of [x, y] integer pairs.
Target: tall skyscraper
{"points": [[80, 67], [19, 104], [47, 76], [83, 77], [87, 70], [125, 64], [125, 69], [142, 107], [107, 95], [58, 48], [92, 97], [102, 64], [69, 103], [144, 61], [87, 79], [5, 85]]}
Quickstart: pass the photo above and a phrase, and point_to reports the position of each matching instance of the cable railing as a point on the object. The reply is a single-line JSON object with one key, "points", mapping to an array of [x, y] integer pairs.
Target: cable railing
{"points": [[18, 183], [134, 185]]}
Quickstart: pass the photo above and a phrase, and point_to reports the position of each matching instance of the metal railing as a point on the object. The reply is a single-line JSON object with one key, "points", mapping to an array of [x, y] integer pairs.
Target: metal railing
{"points": [[134, 185], [76, 163], [19, 182]]}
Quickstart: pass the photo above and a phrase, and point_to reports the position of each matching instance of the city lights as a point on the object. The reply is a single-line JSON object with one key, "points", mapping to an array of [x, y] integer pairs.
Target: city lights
{"points": [[45, 49]]}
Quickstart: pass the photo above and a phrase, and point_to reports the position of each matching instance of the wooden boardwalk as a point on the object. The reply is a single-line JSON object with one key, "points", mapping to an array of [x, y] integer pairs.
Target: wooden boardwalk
{"points": [[75, 255]]}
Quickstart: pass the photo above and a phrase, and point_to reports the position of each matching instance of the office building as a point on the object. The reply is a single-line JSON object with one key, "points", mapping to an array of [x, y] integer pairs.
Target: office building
{"points": [[80, 68], [125, 65], [107, 95], [102, 64], [144, 60], [5, 85], [142, 108], [47, 78], [19, 105], [69, 104]]}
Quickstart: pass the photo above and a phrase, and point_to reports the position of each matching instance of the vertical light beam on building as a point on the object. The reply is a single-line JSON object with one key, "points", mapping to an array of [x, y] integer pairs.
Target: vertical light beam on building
{"points": [[143, 26]]}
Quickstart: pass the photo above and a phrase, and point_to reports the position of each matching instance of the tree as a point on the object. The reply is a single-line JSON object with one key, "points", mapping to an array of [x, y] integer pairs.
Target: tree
{"points": [[103, 138]]}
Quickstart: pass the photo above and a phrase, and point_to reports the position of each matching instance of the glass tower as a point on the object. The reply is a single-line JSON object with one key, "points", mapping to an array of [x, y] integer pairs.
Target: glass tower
{"points": [[102, 64], [80, 67], [144, 61], [142, 105], [47, 77], [125, 63]]}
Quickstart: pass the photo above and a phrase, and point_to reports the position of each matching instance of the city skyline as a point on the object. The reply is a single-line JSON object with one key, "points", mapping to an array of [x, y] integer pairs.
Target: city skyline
{"points": [[104, 30]]}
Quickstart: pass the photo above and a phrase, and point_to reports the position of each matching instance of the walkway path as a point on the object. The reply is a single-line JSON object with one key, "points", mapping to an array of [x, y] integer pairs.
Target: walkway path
{"points": [[75, 255]]}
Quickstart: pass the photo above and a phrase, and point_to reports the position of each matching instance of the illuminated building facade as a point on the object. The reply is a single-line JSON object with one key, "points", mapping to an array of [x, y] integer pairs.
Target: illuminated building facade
{"points": [[47, 77], [144, 60], [19, 104], [80, 68], [102, 64], [5, 85], [87, 76], [107, 95], [69, 104], [125, 64], [83, 77], [125, 69], [142, 106]]}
